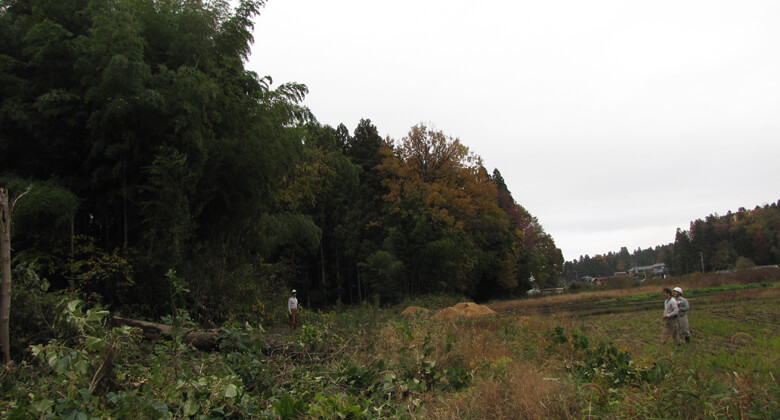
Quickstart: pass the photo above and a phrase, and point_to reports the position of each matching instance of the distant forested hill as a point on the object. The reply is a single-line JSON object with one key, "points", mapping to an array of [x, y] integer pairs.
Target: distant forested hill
{"points": [[741, 239]]}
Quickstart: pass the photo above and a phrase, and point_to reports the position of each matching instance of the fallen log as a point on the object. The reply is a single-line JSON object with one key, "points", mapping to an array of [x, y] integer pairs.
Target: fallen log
{"points": [[201, 339]]}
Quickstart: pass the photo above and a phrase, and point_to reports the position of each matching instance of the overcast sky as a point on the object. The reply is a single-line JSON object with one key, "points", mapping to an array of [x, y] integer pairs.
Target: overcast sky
{"points": [[612, 122]]}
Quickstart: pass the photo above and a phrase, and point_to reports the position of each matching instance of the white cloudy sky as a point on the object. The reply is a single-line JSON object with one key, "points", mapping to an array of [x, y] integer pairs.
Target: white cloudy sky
{"points": [[613, 122]]}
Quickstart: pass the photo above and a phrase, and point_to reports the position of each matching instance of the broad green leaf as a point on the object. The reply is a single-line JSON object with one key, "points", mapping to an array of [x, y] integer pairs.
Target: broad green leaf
{"points": [[61, 365], [36, 349], [112, 397], [85, 395], [231, 391], [75, 415], [161, 407], [43, 406], [94, 343], [81, 366], [190, 407], [96, 315], [73, 304]]}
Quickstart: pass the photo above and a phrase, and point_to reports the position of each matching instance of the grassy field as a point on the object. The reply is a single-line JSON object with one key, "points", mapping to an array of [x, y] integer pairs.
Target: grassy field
{"points": [[593, 354], [597, 354]]}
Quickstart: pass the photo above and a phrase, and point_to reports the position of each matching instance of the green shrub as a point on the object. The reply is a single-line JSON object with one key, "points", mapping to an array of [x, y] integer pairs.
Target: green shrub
{"points": [[337, 406], [36, 314], [288, 407]]}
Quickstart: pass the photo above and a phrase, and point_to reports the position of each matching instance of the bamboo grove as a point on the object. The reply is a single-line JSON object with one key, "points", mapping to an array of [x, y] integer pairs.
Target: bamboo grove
{"points": [[148, 149]]}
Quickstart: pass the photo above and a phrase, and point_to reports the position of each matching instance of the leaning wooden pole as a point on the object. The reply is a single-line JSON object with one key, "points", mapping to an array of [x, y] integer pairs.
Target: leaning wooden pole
{"points": [[6, 207], [5, 260]]}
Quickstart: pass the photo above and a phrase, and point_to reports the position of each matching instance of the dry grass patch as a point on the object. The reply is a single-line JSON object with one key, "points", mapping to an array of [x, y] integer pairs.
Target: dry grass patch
{"points": [[521, 391], [472, 343], [476, 344], [415, 310]]}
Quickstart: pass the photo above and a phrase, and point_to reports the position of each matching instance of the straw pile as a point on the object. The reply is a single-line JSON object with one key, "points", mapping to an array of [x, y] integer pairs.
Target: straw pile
{"points": [[464, 310]]}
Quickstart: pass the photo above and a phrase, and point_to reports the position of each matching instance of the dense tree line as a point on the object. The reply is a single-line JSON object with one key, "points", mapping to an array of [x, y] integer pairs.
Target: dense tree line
{"points": [[742, 239], [151, 150]]}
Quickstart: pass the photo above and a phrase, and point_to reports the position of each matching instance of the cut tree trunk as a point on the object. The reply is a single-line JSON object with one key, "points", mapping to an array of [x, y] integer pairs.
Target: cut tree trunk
{"points": [[201, 339]]}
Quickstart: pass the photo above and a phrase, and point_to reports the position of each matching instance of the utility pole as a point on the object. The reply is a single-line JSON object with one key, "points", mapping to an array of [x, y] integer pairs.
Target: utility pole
{"points": [[701, 255]]}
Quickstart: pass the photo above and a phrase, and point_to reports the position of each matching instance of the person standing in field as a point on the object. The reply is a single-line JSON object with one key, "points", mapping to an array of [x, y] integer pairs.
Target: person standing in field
{"points": [[292, 309], [682, 316], [670, 318]]}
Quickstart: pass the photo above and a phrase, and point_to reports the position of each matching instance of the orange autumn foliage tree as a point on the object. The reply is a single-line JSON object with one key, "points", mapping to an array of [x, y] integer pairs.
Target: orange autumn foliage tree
{"points": [[443, 220]]}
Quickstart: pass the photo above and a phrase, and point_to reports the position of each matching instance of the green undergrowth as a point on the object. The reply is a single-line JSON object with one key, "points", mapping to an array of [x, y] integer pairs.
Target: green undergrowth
{"points": [[369, 363]]}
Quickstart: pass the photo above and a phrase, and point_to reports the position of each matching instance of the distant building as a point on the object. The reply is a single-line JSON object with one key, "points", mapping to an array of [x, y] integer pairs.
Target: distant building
{"points": [[546, 292], [645, 271]]}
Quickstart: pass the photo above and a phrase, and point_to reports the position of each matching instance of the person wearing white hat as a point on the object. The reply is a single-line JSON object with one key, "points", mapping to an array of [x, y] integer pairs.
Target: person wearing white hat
{"points": [[682, 316], [292, 309]]}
